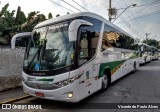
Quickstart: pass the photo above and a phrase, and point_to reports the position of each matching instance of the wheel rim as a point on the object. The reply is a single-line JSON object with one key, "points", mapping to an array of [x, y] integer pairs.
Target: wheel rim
{"points": [[105, 81]]}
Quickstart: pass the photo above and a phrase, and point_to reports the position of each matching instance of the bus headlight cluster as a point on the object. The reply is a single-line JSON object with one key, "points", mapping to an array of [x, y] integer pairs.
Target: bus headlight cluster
{"points": [[68, 81]]}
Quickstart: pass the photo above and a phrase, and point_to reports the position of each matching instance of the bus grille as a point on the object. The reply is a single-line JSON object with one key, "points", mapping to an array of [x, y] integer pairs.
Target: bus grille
{"points": [[41, 86]]}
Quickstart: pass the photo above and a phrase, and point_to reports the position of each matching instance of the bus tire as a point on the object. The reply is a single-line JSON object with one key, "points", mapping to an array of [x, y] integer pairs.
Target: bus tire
{"points": [[105, 82], [145, 61], [134, 67]]}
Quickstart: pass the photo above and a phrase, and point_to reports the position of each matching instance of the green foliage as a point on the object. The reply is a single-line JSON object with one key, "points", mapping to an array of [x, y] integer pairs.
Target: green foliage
{"points": [[12, 22], [3, 41], [33, 19], [41, 17], [152, 42], [4, 9], [20, 17], [50, 16], [57, 15]]}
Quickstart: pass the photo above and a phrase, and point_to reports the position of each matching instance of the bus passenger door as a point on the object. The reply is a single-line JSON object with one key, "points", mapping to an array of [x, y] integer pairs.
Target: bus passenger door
{"points": [[95, 76], [89, 79], [87, 49]]}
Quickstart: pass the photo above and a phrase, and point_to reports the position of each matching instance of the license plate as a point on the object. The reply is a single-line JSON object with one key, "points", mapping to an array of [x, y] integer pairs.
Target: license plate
{"points": [[39, 94]]}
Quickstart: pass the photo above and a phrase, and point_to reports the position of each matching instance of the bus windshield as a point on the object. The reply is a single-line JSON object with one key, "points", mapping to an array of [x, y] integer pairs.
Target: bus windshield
{"points": [[49, 48]]}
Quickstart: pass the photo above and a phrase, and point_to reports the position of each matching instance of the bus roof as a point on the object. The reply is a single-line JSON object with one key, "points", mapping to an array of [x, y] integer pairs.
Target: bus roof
{"points": [[80, 14]]}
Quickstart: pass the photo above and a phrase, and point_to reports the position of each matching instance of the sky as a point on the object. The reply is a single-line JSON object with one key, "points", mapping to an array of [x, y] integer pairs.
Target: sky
{"points": [[137, 21]]}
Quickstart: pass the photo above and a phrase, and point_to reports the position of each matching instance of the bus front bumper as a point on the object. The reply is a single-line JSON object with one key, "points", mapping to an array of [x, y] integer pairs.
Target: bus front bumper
{"points": [[67, 93]]}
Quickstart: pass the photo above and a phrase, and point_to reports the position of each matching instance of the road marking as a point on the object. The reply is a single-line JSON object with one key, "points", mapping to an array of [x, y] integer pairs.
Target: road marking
{"points": [[27, 100], [15, 99]]}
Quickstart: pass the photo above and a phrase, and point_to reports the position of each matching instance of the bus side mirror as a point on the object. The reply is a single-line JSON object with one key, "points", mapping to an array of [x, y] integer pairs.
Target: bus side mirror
{"points": [[74, 26], [19, 35]]}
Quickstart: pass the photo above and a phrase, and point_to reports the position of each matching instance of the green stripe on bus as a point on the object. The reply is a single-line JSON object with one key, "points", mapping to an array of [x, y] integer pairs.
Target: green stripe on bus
{"points": [[110, 65], [133, 56], [44, 79]]}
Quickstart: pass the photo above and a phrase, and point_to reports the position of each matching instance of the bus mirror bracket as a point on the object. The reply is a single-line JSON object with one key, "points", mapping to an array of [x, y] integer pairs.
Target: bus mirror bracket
{"points": [[13, 41], [73, 28]]}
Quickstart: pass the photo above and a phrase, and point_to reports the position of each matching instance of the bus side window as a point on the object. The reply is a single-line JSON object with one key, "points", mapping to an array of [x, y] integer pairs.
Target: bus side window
{"points": [[84, 53], [88, 45], [88, 39], [109, 37]]}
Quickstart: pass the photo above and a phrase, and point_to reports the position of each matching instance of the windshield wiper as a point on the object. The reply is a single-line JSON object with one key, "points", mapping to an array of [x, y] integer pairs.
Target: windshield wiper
{"points": [[44, 56], [42, 50], [47, 62]]}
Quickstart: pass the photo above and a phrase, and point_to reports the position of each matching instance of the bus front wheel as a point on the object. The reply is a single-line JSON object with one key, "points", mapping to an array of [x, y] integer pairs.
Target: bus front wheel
{"points": [[134, 67], [105, 82]]}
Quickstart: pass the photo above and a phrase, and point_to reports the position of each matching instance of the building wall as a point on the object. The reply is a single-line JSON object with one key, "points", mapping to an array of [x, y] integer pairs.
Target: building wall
{"points": [[10, 67]]}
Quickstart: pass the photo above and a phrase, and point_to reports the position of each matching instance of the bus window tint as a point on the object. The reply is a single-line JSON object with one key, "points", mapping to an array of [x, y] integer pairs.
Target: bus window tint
{"points": [[115, 38], [108, 37], [89, 36], [125, 41]]}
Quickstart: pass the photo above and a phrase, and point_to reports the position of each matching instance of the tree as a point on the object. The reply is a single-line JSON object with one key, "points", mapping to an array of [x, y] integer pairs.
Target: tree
{"points": [[20, 17], [33, 19], [4, 9], [50, 16], [12, 22], [57, 15], [151, 42], [6, 24]]}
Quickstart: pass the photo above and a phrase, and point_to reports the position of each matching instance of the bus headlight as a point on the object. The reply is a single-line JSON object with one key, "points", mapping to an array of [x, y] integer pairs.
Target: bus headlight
{"points": [[70, 95], [68, 81]]}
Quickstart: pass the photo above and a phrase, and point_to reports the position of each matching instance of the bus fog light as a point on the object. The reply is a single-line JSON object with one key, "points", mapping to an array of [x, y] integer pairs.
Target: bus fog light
{"points": [[70, 95]]}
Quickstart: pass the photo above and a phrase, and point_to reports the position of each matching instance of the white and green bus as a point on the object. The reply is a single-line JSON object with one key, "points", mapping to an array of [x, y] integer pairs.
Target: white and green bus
{"points": [[145, 52], [155, 53], [71, 57]]}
